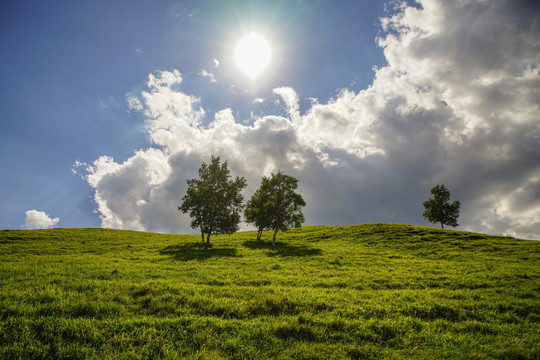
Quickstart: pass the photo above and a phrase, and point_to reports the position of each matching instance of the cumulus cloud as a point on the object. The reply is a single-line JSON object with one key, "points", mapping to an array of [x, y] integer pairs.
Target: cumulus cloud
{"points": [[39, 220], [163, 79], [457, 103]]}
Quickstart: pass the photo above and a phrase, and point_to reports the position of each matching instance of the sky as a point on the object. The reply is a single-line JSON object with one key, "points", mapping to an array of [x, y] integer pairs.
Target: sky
{"points": [[108, 107]]}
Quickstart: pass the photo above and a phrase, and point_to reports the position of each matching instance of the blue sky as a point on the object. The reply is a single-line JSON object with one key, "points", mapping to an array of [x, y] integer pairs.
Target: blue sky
{"points": [[368, 103]]}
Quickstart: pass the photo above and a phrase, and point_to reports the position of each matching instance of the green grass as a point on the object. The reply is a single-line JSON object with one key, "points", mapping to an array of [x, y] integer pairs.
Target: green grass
{"points": [[365, 291]]}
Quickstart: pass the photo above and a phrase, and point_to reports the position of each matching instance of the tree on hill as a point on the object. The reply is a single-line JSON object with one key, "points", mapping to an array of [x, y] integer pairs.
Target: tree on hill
{"points": [[275, 206], [254, 211], [439, 209], [214, 201]]}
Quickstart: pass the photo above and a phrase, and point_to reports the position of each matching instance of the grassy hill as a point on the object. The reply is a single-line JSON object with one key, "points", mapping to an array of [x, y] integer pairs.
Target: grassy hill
{"points": [[359, 292]]}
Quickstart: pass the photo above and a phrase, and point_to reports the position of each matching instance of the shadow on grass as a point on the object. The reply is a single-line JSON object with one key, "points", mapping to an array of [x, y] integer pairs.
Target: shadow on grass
{"points": [[282, 249], [196, 251]]}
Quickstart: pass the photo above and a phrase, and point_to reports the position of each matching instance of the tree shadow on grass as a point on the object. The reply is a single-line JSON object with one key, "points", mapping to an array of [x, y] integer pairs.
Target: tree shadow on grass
{"points": [[282, 249], [197, 251]]}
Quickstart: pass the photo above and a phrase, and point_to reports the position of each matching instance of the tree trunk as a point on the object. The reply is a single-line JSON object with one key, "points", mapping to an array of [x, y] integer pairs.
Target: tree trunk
{"points": [[442, 225], [208, 240], [202, 232], [259, 234], [274, 238]]}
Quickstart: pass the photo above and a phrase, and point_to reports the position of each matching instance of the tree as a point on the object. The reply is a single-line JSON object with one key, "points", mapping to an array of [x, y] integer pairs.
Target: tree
{"points": [[438, 208], [255, 210], [276, 206], [213, 201]]}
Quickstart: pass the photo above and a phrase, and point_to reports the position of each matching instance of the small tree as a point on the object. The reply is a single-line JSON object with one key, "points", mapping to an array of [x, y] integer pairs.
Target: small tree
{"points": [[276, 206], [255, 211], [213, 201], [438, 208]]}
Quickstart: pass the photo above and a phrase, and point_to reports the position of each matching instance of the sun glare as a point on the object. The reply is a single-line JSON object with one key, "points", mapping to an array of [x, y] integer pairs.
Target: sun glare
{"points": [[252, 54]]}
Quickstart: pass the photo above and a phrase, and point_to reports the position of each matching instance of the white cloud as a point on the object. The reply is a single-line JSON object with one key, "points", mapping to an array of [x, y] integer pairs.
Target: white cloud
{"points": [[207, 75], [457, 103], [290, 98], [164, 79], [39, 220]]}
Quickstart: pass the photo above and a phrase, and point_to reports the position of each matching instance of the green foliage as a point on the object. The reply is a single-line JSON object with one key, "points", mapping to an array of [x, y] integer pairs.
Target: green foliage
{"points": [[335, 292], [275, 205], [213, 201], [439, 209], [254, 212]]}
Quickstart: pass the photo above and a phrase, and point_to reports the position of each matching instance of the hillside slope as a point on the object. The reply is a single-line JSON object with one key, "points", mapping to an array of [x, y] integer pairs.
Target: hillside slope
{"points": [[359, 291]]}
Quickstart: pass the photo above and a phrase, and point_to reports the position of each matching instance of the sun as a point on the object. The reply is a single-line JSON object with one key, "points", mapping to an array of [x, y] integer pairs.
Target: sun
{"points": [[252, 54]]}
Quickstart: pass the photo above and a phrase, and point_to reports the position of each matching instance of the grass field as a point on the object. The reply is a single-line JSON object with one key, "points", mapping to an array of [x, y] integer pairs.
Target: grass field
{"points": [[323, 292]]}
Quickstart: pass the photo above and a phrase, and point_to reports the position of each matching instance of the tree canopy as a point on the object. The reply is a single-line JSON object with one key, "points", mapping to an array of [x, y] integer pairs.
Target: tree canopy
{"points": [[439, 209], [275, 205], [214, 201]]}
